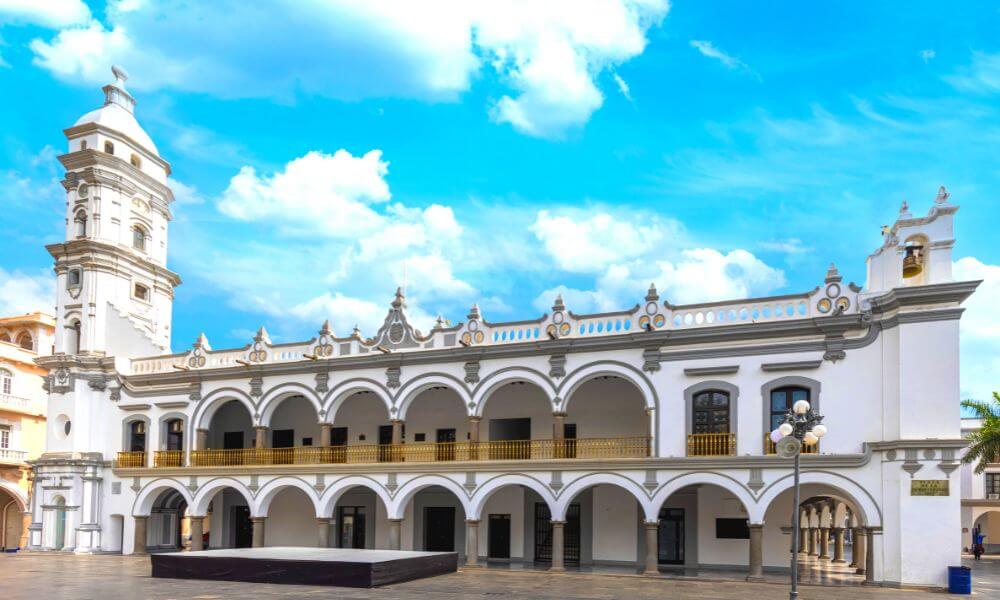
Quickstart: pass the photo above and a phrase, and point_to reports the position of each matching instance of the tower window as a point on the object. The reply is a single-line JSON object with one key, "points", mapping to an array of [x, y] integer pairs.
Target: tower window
{"points": [[141, 292], [80, 224], [6, 381], [139, 238], [109, 147], [136, 162], [83, 145], [73, 278], [25, 341], [73, 344]]}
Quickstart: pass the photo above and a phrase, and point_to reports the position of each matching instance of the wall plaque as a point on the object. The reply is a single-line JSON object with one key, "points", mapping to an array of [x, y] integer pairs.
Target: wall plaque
{"points": [[929, 487]]}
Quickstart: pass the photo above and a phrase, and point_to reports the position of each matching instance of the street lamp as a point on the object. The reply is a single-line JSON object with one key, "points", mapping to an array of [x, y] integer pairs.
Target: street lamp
{"points": [[802, 425]]}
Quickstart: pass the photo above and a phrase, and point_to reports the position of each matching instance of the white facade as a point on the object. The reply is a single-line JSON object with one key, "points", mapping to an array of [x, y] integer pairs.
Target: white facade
{"points": [[589, 434]]}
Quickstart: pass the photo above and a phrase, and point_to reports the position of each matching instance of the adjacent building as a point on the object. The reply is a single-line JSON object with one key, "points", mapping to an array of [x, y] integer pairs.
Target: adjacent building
{"points": [[22, 418], [980, 500], [633, 438]]}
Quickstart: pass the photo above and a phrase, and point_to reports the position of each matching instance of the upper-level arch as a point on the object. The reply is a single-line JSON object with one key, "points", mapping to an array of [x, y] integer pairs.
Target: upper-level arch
{"points": [[205, 410], [622, 370], [413, 388], [273, 398], [347, 388], [494, 381]]}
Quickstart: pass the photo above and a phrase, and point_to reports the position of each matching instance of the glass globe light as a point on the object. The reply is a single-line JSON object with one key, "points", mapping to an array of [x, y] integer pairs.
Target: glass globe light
{"points": [[786, 429], [810, 438], [801, 407], [819, 430], [776, 436]]}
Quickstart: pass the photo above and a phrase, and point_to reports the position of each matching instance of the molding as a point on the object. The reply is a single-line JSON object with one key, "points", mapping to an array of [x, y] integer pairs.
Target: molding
{"points": [[791, 365], [133, 407], [700, 371], [178, 404], [917, 444], [982, 503]]}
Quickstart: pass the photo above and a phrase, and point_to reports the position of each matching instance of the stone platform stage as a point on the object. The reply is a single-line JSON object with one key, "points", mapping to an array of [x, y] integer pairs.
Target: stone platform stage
{"points": [[305, 566]]}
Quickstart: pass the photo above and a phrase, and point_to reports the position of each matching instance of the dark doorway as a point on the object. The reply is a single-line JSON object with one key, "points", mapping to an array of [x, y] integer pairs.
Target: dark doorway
{"points": [[338, 443], [543, 534], [385, 443], [670, 536], [445, 450], [282, 438], [517, 432], [175, 434], [137, 437], [242, 527], [232, 440], [439, 528], [499, 537], [351, 527], [569, 434]]}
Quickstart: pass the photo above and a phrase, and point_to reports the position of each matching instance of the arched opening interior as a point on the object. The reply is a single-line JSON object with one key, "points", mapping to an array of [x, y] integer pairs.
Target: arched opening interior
{"points": [[231, 427], [227, 521], [359, 520], [603, 527], [518, 422], [59, 538], [291, 519], [988, 527], [137, 436], [26, 341], [167, 528], [73, 337], [509, 524], [11, 522], [80, 224], [436, 424], [362, 420], [607, 417], [294, 423], [434, 521]]}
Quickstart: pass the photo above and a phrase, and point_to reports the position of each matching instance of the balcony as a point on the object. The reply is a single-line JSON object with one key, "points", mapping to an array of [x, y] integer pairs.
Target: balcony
{"points": [[19, 404], [595, 448], [9, 456], [711, 444], [769, 447]]}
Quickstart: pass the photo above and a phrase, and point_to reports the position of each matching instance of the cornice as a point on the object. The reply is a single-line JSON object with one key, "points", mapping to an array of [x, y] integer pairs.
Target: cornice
{"points": [[86, 128], [918, 444], [73, 249], [954, 292], [981, 502]]}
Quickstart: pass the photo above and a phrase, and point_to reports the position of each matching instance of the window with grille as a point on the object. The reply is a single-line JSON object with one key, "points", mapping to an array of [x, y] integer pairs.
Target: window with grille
{"points": [[6, 381], [782, 400], [993, 483], [4, 436], [711, 412]]}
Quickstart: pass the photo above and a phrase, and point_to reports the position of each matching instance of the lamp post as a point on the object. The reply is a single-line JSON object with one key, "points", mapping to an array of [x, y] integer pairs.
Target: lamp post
{"points": [[802, 425]]}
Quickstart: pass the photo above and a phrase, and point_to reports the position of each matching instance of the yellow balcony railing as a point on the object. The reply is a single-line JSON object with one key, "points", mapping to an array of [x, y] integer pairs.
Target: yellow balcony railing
{"points": [[418, 452], [711, 444], [168, 458], [128, 460], [769, 447]]}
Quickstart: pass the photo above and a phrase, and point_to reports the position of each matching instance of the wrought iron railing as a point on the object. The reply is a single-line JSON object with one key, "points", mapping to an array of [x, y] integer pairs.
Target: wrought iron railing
{"points": [[418, 452], [769, 447], [168, 458], [128, 460], [711, 444]]}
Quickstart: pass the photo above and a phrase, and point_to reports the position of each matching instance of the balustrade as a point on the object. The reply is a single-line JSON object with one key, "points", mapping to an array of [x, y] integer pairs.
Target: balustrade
{"points": [[711, 444]]}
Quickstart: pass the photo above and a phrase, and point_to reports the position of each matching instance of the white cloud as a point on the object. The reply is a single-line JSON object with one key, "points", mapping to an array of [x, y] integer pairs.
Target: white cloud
{"points": [[982, 76], [22, 293], [709, 49], [548, 54], [47, 13], [787, 246], [980, 346], [622, 86], [184, 193]]}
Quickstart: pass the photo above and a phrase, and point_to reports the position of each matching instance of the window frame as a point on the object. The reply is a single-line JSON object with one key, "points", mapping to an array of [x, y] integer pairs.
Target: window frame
{"points": [[991, 483], [135, 292], [142, 237], [716, 385], [711, 411], [6, 382]]}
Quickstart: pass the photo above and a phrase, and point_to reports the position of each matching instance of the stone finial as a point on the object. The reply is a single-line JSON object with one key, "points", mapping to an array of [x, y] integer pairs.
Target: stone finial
{"points": [[262, 336], [832, 274], [439, 323], [202, 342], [326, 329], [400, 300], [558, 306], [115, 93], [651, 294], [942, 196], [904, 210], [474, 313], [356, 332]]}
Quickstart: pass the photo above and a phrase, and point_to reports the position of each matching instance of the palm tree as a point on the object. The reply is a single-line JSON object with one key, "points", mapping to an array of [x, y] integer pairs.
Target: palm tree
{"points": [[984, 445]]}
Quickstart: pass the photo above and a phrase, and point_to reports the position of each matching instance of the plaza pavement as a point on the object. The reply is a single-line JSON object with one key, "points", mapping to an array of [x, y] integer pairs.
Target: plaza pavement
{"points": [[35, 576]]}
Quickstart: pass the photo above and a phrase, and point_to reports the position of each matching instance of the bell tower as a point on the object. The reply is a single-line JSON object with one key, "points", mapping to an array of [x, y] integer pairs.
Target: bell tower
{"points": [[114, 291]]}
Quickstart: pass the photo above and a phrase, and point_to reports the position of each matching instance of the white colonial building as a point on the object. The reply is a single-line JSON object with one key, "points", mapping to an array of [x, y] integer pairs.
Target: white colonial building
{"points": [[638, 437]]}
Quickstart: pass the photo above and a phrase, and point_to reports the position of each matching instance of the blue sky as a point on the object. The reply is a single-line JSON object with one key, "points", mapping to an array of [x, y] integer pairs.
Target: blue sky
{"points": [[505, 152]]}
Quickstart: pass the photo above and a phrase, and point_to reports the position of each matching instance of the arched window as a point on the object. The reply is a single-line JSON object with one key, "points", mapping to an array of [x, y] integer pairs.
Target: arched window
{"points": [[109, 147], [73, 278], [782, 400], [83, 145], [6, 381], [136, 162], [175, 434], [710, 412], [139, 238], [73, 335], [141, 292], [80, 224], [137, 436], [25, 341]]}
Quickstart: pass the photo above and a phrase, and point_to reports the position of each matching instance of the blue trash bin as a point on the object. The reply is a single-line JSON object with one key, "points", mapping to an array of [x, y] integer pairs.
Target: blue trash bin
{"points": [[959, 580]]}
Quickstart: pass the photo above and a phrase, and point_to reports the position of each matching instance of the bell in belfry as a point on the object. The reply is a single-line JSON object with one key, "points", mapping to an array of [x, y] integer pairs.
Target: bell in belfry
{"points": [[911, 262]]}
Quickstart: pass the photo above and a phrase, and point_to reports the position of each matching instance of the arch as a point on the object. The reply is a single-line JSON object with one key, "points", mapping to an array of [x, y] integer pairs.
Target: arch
{"points": [[205, 410], [719, 480], [345, 389], [334, 491], [139, 237], [25, 340], [421, 383], [80, 223], [571, 491], [406, 492], [205, 494], [149, 494], [704, 386], [494, 381], [17, 493], [625, 371], [273, 398], [109, 148], [272, 488], [127, 424], [164, 421], [486, 489], [868, 512]]}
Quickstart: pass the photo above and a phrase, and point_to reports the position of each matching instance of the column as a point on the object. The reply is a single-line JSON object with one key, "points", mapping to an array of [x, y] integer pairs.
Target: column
{"points": [[395, 533], [196, 525], [323, 531], [474, 437], [652, 566], [756, 570], [139, 545], [860, 537], [201, 439], [824, 543], [472, 543], [325, 434], [803, 538], [838, 546], [397, 432], [869, 556], [557, 546], [812, 541], [559, 434], [649, 431], [261, 439], [258, 531]]}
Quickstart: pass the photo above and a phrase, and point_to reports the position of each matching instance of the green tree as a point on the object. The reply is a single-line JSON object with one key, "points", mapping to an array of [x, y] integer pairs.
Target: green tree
{"points": [[984, 445]]}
